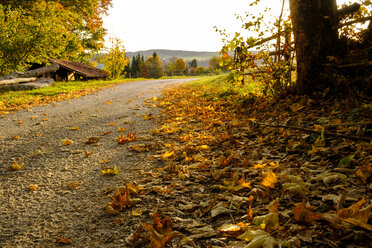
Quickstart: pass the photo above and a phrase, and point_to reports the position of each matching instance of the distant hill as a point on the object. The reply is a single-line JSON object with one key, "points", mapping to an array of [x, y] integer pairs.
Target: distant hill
{"points": [[202, 57]]}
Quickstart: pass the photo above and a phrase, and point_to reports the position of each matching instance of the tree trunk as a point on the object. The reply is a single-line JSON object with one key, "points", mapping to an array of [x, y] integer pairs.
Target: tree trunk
{"points": [[316, 37], [16, 81], [33, 73]]}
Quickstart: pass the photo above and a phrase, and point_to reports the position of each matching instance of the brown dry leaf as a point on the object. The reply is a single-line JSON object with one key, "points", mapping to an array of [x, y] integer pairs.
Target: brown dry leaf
{"points": [[92, 140], [73, 185], [364, 172], [270, 180], [64, 241], [161, 231], [354, 211], [305, 213], [274, 206]]}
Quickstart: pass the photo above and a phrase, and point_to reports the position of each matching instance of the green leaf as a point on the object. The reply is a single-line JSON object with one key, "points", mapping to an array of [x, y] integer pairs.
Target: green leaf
{"points": [[346, 161]]}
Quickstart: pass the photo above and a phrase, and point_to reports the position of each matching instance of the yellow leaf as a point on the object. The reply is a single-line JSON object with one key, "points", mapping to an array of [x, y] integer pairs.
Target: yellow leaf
{"points": [[121, 129], [109, 171], [75, 128], [16, 166], [270, 180], [109, 102], [320, 142], [136, 212], [112, 124], [167, 154], [32, 187], [110, 210], [67, 142], [203, 147]]}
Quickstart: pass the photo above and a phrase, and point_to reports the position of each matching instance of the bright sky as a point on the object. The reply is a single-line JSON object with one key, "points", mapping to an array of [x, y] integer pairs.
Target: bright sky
{"points": [[176, 24]]}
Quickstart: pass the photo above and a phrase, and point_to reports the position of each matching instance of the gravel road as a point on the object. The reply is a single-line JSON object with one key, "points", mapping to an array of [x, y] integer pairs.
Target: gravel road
{"points": [[67, 203]]}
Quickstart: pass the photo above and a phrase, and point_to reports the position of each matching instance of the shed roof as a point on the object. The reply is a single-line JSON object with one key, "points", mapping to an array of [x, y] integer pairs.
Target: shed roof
{"points": [[81, 68]]}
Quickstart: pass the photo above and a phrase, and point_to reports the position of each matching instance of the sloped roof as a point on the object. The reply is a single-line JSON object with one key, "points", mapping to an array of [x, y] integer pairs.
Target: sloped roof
{"points": [[81, 68]]}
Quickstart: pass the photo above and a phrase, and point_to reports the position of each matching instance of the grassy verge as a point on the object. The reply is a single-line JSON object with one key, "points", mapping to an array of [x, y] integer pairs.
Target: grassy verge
{"points": [[16, 100], [217, 87]]}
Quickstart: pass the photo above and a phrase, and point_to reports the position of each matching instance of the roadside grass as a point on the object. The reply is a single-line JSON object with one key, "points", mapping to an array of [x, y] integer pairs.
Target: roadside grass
{"points": [[17, 100], [219, 87]]}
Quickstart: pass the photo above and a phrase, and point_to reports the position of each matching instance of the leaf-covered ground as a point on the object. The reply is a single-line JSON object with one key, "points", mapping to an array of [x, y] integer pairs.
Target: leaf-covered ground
{"points": [[232, 171]]}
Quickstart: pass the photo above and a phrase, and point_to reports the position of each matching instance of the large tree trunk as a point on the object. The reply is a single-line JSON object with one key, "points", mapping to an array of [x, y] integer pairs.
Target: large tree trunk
{"points": [[316, 37], [32, 73]]}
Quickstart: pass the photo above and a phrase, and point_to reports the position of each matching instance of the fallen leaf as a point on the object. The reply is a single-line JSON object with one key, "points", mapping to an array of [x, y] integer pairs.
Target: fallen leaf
{"points": [[16, 166], [346, 161], [305, 213], [136, 212], [64, 241], [67, 142], [92, 140], [109, 171], [75, 128], [258, 238], [270, 180], [32, 187]]}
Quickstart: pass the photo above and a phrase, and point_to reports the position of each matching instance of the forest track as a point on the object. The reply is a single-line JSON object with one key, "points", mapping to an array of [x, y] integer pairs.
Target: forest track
{"points": [[67, 203]]}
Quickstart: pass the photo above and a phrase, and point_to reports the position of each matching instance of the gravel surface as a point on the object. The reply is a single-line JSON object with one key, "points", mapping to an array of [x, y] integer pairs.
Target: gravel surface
{"points": [[68, 200]]}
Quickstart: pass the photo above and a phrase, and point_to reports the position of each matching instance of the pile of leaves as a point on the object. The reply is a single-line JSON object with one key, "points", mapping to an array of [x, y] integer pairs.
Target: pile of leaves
{"points": [[254, 172]]}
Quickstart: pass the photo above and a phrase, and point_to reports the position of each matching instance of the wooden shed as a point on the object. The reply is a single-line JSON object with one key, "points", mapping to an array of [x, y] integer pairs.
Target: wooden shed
{"points": [[70, 70]]}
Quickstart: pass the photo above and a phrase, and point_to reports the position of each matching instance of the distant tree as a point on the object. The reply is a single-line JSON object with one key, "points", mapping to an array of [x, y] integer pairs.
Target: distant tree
{"points": [[214, 63], [135, 67], [154, 55], [115, 60], [180, 66], [144, 70], [194, 64], [200, 70], [155, 66], [170, 65]]}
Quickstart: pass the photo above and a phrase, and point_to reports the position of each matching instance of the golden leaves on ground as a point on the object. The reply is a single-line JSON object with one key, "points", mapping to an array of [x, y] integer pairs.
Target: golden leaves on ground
{"points": [[126, 139], [221, 167]]}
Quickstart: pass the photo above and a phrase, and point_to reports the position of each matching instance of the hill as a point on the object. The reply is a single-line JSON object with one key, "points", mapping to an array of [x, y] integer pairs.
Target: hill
{"points": [[202, 57]]}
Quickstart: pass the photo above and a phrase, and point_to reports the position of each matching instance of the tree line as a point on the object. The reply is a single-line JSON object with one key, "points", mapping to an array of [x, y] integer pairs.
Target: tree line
{"points": [[155, 67]]}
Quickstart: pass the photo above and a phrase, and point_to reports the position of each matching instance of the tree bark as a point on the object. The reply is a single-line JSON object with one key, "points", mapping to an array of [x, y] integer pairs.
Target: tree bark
{"points": [[17, 81], [316, 37]]}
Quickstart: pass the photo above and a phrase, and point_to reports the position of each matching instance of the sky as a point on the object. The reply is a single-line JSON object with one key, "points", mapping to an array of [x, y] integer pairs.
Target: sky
{"points": [[176, 25]]}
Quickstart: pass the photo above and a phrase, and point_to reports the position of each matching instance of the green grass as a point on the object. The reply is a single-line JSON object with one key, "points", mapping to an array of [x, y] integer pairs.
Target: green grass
{"points": [[219, 87], [16, 100]]}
